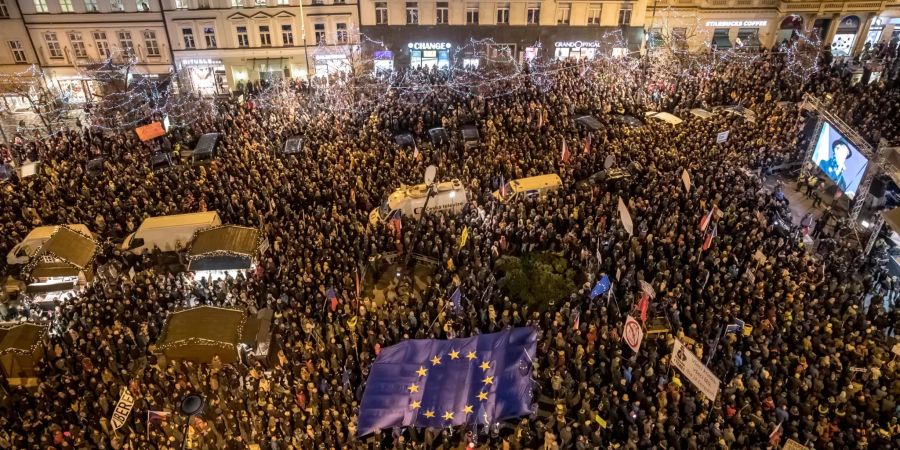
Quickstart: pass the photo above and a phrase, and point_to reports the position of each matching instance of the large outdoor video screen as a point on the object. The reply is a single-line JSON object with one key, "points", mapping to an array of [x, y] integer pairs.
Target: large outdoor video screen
{"points": [[840, 160]]}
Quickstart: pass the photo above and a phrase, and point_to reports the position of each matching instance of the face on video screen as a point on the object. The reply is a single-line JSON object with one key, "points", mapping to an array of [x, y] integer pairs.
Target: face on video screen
{"points": [[840, 160]]}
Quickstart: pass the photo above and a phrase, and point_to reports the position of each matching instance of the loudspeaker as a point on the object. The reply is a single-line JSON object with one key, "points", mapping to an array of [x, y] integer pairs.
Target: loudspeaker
{"points": [[879, 185]]}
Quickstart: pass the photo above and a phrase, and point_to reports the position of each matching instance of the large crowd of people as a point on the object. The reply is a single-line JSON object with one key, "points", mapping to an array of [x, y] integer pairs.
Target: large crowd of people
{"points": [[814, 317]]}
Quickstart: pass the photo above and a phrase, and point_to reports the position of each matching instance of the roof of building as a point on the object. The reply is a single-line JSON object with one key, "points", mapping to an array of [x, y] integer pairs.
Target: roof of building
{"points": [[227, 239], [21, 338]]}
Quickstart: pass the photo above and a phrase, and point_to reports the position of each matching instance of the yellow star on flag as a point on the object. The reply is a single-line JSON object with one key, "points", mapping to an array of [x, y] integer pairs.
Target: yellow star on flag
{"points": [[482, 396], [436, 361], [429, 414], [470, 356], [488, 380], [448, 415], [454, 354], [415, 404], [422, 371], [467, 409], [485, 366], [413, 388]]}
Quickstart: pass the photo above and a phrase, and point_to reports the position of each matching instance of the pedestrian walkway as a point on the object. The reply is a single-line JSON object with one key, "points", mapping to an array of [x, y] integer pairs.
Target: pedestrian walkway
{"points": [[12, 123]]}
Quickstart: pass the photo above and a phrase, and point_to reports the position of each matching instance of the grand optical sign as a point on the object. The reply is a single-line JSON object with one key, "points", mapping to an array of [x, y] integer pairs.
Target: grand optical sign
{"points": [[578, 44], [429, 45], [737, 23]]}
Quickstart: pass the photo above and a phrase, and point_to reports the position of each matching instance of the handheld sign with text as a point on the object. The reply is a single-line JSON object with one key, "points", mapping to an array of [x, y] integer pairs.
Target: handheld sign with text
{"points": [[633, 334], [123, 409], [694, 370], [722, 137]]}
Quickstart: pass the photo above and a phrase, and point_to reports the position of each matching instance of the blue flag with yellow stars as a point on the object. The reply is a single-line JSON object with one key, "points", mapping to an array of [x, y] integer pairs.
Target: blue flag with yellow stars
{"points": [[441, 383]]}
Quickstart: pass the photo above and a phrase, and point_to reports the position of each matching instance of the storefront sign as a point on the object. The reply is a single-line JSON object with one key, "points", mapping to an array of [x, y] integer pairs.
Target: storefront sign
{"points": [[429, 45], [201, 62], [578, 44], [736, 23]]}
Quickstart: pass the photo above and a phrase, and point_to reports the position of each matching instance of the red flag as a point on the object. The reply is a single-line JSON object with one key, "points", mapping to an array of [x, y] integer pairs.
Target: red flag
{"points": [[565, 153], [704, 222], [587, 144], [775, 436], [643, 306], [709, 238], [502, 187]]}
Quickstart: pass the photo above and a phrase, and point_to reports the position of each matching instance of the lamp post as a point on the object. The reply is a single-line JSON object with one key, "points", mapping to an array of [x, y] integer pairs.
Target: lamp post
{"points": [[303, 33], [190, 406]]}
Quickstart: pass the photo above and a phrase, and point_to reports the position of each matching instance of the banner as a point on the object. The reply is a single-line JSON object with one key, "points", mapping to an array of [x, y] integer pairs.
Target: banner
{"points": [[464, 237], [625, 217], [123, 409], [633, 333], [698, 374], [722, 137], [151, 131]]}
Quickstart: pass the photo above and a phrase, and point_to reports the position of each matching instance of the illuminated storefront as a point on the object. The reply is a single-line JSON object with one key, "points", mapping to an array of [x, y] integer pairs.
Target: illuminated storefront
{"points": [[845, 37], [206, 76], [429, 54], [576, 49]]}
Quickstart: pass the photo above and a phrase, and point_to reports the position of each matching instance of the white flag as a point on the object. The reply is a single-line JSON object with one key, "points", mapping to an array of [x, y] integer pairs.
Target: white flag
{"points": [[684, 360], [686, 179], [625, 217]]}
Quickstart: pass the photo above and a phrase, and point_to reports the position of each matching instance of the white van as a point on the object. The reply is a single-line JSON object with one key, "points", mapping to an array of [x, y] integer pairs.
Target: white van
{"points": [[409, 200], [529, 187], [169, 233], [21, 253]]}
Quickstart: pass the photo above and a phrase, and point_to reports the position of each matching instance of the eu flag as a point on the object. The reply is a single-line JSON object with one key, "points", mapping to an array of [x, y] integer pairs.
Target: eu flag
{"points": [[602, 286], [441, 383]]}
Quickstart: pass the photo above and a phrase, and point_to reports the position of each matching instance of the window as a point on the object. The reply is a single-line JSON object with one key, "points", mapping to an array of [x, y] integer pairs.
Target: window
{"points": [[260, 3], [4, 13], [625, 14], [237, 3], [209, 34], [188, 35], [265, 36], [534, 13], [342, 37], [145, 7], [503, 14], [151, 43], [442, 13], [472, 14], [17, 51], [287, 35], [594, 14], [77, 43], [181, 4], [117, 5], [563, 11], [202, 4], [412, 13], [91, 6], [66, 6], [126, 42], [381, 13], [41, 7], [319, 28], [283, 2], [102, 43], [242, 37], [53, 47]]}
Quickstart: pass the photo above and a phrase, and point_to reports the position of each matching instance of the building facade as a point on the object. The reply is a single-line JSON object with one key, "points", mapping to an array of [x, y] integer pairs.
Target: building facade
{"points": [[16, 55], [71, 37], [845, 25], [440, 33], [222, 43]]}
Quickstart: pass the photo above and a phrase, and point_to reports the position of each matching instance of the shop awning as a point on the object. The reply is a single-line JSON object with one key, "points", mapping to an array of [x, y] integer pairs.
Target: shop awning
{"points": [[199, 334], [721, 42], [228, 247]]}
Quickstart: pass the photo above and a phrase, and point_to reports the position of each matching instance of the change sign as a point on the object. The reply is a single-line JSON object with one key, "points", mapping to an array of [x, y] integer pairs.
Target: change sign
{"points": [[123, 409], [685, 361], [722, 137]]}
